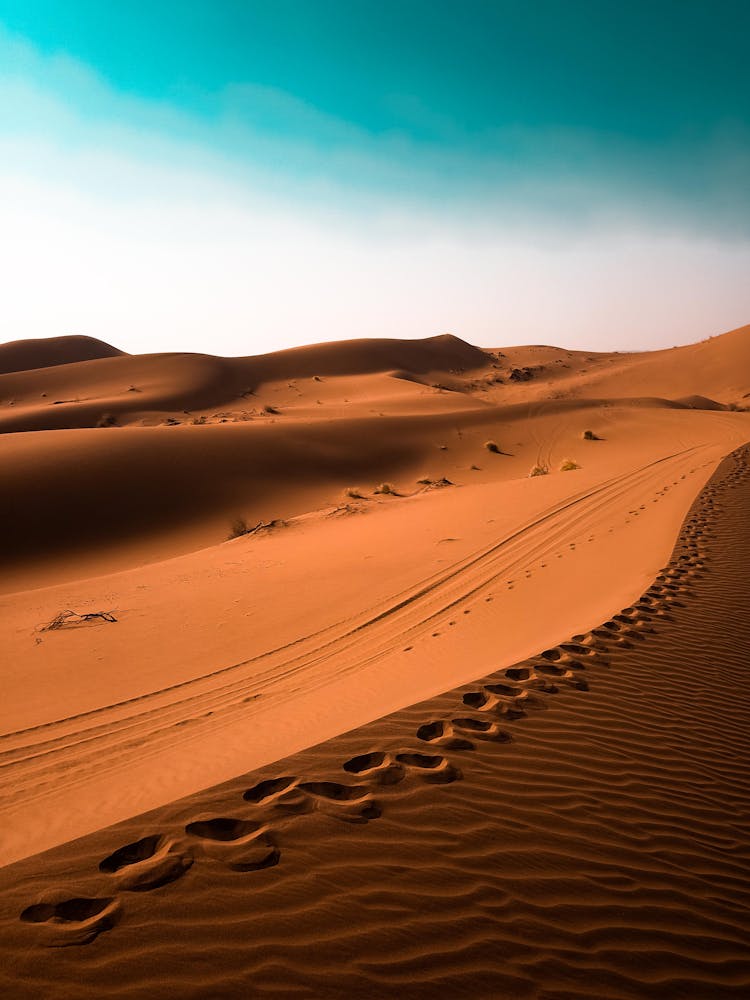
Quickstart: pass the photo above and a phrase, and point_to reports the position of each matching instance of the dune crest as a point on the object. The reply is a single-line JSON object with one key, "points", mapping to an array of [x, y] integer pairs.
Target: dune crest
{"points": [[26, 355]]}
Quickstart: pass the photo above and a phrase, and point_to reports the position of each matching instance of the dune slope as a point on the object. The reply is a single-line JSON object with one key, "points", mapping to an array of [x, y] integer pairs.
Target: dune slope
{"points": [[572, 826], [387, 544]]}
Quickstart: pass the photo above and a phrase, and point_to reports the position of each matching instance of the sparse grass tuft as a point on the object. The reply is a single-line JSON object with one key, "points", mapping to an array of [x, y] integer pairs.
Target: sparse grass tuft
{"points": [[385, 488], [568, 465], [271, 410], [493, 446], [538, 470], [354, 493]]}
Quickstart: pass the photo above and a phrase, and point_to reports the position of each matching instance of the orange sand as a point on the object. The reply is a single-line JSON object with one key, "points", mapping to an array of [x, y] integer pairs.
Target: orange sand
{"points": [[123, 476]]}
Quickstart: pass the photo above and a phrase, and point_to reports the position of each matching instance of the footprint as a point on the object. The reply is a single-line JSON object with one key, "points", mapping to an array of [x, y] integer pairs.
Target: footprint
{"points": [[376, 765], [364, 814], [346, 803], [550, 669], [238, 844], [130, 854], [223, 829], [293, 802], [74, 921], [269, 789], [482, 729], [433, 767], [501, 699], [332, 791], [475, 725], [146, 864], [505, 690], [432, 732], [475, 699], [255, 859], [518, 673], [365, 762]]}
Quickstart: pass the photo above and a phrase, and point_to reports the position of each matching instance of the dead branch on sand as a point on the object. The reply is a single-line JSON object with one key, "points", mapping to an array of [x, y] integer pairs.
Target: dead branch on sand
{"points": [[74, 618]]}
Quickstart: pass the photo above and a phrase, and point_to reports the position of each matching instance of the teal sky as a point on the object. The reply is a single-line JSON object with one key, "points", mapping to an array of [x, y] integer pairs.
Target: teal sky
{"points": [[572, 172]]}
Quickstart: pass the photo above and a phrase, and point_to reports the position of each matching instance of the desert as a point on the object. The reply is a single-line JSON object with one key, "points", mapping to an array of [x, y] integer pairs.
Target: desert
{"points": [[374, 495], [275, 627]]}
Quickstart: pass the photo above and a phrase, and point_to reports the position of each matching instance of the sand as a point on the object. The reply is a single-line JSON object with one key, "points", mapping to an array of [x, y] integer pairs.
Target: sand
{"points": [[595, 849]]}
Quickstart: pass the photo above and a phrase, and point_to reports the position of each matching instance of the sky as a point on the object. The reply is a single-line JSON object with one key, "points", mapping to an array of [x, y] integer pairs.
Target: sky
{"points": [[238, 176]]}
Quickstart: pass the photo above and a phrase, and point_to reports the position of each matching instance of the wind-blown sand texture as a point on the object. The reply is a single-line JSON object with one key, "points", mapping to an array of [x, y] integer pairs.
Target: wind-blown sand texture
{"points": [[473, 842]]}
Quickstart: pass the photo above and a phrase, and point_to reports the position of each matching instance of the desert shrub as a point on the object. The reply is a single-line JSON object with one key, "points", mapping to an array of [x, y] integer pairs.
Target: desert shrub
{"points": [[354, 493], [424, 481], [590, 436], [385, 488], [538, 470], [492, 446], [568, 465], [107, 420], [239, 527], [271, 410], [199, 420]]}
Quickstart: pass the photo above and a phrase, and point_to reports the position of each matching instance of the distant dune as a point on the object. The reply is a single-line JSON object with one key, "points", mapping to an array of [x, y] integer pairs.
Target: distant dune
{"points": [[26, 355], [274, 567]]}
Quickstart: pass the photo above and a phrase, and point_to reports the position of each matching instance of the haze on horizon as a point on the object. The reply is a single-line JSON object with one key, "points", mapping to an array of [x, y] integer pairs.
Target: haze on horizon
{"points": [[237, 177]]}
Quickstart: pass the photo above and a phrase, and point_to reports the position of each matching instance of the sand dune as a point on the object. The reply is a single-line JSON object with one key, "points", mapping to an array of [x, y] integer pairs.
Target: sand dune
{"points": [[245, 558], [599, 787], [104, 388], [24, 355], [716, 368]]}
